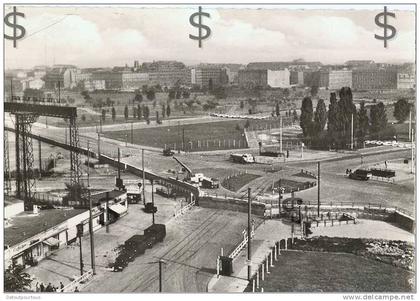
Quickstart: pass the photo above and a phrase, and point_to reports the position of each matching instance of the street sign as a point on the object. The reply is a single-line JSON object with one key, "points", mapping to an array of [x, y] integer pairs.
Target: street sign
{"points": [[79, 230]]}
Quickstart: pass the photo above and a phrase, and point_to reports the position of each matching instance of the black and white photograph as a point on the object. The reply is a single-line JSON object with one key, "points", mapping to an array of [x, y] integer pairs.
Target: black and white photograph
{"points": [[209, 148]]}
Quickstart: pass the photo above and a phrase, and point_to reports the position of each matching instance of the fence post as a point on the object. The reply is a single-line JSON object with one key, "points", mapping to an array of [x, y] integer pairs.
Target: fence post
{"points": [[253, 285], [258, 277], [262, 271], [266, 264], [271, 258]]}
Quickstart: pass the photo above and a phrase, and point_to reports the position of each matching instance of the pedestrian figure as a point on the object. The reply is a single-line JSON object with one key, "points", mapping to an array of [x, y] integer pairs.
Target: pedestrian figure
{"points": [[37, 288], [49, 288], [76, 290], [42, 287], [386, 164], [61, 285]]}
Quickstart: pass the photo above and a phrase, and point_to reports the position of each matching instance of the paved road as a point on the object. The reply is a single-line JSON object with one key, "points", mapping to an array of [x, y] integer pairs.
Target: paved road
{"points": [[190, 249], [335, 186]]}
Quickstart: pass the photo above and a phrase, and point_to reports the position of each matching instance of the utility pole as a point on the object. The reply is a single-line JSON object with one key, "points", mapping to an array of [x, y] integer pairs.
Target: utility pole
{"points": [[412, 150], [142, 166], [280, 197], [183, 139], [179, 136], [40, 157], [319, 186], [11, 90], [249, 233], [92, 242], [132, 133], [107, 212], [119, 173], [80, 234], [351, 138], [99, 145], [281, 134], [153, 204], [409, 127], [59, 92]]}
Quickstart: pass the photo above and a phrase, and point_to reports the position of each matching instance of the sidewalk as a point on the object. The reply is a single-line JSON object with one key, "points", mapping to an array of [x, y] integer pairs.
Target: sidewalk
{"points": [[265, 236]]}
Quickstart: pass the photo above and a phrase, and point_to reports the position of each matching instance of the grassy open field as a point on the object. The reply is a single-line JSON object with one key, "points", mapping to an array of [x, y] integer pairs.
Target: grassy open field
{"points": [[334, 272], [234, 183], [197, 137]]}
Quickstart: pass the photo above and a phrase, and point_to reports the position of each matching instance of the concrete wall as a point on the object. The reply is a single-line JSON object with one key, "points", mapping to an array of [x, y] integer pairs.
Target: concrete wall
{"points": [[404, 221], [231, 204]]}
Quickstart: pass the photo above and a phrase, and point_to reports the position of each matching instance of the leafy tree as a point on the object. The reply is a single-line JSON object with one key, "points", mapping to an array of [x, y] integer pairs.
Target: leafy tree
{"points": [[186, 94], [134, 112], [295, 116], [306, 117], [346, 109], [138, 97], [286, 92], [178, 94], [74, 193], [109, 102], [168, 110], [171, 94], [150, 94], [320, 118], [126, 112], [378, 119], [157, 118], [103, 114], [139, 112], [16, 279], [85, 95], [113, 114], [146, 112], [314, 91], [401, 110], [163, 110], [363, 121], [219, 92], [144, 89], [277, 109]]}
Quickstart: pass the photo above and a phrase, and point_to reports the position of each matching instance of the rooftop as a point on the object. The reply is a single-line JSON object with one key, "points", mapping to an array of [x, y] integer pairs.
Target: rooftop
{"points": [[26, 225], [101, 197]]}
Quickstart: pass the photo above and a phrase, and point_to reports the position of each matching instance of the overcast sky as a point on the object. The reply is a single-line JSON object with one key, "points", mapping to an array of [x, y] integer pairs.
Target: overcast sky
{"points": [[109, 35]]}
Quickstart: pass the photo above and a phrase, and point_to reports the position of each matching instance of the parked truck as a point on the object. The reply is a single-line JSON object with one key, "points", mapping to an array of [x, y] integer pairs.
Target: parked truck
{"points": [[242, 158]]}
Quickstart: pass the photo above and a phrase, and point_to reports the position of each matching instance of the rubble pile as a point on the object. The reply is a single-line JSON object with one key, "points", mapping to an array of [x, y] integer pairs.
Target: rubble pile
{"points": [[397, 253]]}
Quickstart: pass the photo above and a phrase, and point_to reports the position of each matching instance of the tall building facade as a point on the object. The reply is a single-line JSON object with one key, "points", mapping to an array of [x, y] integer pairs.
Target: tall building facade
{"points": [[167, 73], [132, 81], [112, 79], [278, 78], [374, 79], [250, 78], [406, 81], [206, 76]]}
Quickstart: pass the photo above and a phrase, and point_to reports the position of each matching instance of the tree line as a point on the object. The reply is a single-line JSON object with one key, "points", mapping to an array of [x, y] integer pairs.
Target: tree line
{"points": [[332, 128]]}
